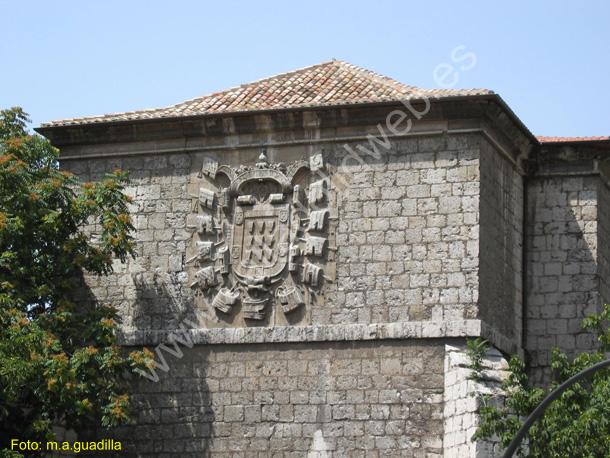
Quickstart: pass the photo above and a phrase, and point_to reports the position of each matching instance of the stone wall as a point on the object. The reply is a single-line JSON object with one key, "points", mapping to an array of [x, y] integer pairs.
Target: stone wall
{"points": [[408, 234], [426, 241], [501, 244], [463, 397], [603, 238], [407, 237], [562, 265], [325, 399]]}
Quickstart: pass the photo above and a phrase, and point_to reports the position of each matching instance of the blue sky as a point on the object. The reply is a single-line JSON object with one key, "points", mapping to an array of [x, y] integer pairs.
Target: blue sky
{"points": [[550, 60]]}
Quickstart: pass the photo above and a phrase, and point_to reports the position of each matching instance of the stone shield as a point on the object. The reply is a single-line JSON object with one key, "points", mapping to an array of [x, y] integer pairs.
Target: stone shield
{"points": [[260, 241]]}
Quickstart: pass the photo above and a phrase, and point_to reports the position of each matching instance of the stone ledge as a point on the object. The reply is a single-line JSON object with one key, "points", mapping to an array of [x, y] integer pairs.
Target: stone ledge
{"points": [[499, 340], [295, 334]]}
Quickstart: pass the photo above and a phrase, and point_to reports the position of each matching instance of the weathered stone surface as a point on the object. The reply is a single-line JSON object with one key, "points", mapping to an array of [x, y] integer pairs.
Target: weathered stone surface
{"points": [[409, 245], [567, 252], [267, 399], [462, 397], [414, 259]]}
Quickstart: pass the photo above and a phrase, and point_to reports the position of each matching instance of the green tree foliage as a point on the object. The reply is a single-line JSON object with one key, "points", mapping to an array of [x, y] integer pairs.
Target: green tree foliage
{"points": [[59, 361], [577, 424]]}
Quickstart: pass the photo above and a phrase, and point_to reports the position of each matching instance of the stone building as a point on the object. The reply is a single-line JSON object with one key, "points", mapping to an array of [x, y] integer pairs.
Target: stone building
{"points": [[315, 248]]}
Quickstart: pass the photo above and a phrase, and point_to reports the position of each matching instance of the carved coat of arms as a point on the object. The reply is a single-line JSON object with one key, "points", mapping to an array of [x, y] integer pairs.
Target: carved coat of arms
{"points": [[260, 236]]}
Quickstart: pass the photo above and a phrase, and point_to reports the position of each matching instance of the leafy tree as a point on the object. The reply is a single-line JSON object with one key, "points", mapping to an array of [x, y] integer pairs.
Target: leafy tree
{"points": [[59, 361], [577, 424]]}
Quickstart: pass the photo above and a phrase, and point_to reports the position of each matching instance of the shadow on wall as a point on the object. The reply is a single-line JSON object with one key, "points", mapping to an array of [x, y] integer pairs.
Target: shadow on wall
{"points": [[563, 280], [500, 245], [171, 403], [161, 302], [173, 411]]}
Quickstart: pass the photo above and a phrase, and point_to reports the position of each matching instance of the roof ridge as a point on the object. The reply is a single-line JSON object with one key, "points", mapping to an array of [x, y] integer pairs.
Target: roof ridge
{"points": [[258, 81], [386, 80]]}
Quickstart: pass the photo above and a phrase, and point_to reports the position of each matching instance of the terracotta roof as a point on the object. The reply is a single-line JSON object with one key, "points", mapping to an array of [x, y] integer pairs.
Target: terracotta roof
{"points": [[329, 83], [543, 139]]}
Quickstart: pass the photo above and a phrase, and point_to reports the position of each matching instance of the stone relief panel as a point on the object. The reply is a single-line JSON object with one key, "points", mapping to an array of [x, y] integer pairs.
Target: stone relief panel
{"points": [[262, 249]]}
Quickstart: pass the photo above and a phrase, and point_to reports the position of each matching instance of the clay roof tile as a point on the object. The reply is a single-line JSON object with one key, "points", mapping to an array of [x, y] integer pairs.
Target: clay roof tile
{"points": [[329, 83]]}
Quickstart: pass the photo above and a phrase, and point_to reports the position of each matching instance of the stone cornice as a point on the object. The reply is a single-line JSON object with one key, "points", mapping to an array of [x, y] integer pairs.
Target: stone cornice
{"points": [[571, 159], [321, 333], [305, 126]]}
